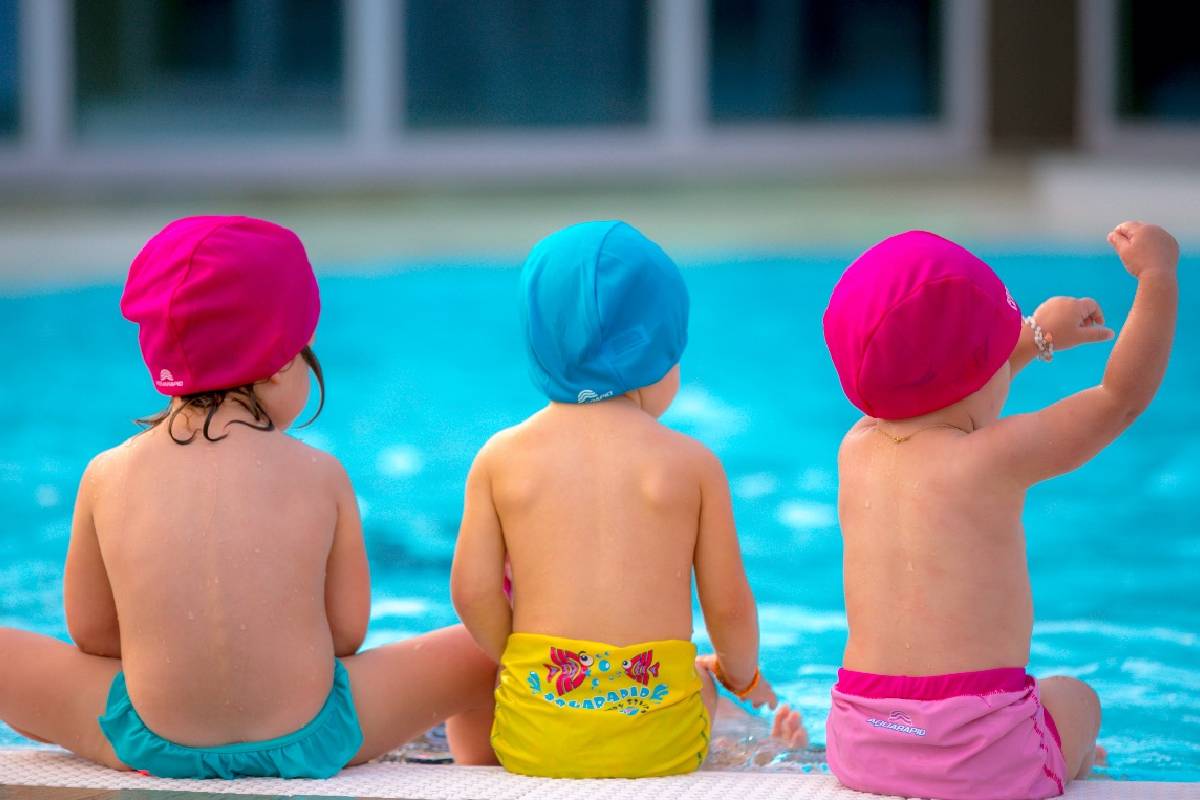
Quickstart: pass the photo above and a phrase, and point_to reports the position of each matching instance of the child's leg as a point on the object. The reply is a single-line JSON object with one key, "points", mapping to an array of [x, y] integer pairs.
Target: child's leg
{"points": [[54, 692], [708, 693], [1076, 711], [403, 689]]}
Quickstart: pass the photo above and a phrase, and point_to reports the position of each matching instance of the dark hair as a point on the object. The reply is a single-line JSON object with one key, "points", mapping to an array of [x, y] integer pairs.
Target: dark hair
{"points": [[243, 395]]}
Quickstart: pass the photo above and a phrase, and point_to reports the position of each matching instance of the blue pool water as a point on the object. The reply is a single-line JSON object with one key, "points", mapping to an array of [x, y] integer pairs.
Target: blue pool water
{"points": [[424, 363]]}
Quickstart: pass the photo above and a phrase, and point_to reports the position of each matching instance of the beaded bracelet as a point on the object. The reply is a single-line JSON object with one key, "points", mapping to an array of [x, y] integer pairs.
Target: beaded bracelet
{"points": [[1043, 339], [744, 693]]}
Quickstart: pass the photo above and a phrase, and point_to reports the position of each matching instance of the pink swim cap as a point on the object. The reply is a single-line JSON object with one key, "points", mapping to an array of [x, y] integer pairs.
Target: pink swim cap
{"points": [[221, 302], [917, 323]]}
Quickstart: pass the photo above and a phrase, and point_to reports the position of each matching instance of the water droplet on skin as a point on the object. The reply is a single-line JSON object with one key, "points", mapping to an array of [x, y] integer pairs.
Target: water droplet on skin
{"points": [[258, 549], [191, 614], [242, 626], [258, 463], [910, 569]]}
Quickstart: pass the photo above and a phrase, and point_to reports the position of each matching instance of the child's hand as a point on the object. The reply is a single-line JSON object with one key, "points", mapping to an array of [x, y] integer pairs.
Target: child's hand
{"points": [[1144, 247], [1072, 321], [762, 693]]}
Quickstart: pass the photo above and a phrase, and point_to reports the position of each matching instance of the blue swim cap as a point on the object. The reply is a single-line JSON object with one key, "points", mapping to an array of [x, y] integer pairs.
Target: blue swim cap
{"points": [[604, 310]]}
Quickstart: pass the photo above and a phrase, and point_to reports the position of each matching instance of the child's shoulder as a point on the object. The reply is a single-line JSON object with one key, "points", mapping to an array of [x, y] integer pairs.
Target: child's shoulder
{"points": [[689, 456], [323, 465], [859, 431], [114, 458]]}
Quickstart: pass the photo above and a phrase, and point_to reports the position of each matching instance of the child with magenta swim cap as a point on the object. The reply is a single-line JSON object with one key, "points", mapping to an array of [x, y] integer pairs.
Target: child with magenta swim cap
{"points": [[604, 514], [216, 584], [934, 699]]}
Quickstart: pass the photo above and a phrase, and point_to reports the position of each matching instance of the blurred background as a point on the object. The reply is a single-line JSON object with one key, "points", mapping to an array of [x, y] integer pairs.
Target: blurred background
{"points": [[432, 127], [421, 147]]}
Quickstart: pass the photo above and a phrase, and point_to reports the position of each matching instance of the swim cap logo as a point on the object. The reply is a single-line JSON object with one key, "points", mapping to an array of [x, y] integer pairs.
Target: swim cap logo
{"points": [[165, 378], [588, 396], [1012, 303], [897, 721]]}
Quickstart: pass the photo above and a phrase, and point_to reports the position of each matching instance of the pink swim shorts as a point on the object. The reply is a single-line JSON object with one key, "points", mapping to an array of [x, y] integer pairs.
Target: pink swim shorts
{"points": [[965, 736]]}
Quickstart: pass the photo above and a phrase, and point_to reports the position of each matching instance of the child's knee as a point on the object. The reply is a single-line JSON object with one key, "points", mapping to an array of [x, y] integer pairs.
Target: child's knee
{"points": [[1081, 696], [8, 644]]}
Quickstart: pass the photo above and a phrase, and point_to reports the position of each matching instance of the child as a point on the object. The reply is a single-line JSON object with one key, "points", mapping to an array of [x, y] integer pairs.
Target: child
{"points": [[216, 583], [934, 699], [604, 512]]}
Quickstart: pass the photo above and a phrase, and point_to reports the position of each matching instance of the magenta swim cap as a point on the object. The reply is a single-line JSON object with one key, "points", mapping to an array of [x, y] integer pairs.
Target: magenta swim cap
{"points": [[917, 323], [220, 302]]}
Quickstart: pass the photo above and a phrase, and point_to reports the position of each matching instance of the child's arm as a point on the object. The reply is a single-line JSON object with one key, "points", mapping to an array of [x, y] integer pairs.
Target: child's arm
{"points": [[347, 574], [87, 595], [477, 575], [1068, 321], [730, 613], [1060, 438]]}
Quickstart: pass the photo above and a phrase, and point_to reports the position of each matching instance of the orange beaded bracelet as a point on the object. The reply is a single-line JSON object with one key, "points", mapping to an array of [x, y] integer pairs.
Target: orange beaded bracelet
{"points": [[744, 693]]}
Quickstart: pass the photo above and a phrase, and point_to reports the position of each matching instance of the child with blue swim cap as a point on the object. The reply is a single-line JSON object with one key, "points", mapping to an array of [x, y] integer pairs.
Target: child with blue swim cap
{"points": [[604, 513]]}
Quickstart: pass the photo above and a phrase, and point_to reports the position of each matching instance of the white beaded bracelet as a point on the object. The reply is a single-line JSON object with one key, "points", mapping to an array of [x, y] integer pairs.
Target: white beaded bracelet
{"points": [[1043, 339]]}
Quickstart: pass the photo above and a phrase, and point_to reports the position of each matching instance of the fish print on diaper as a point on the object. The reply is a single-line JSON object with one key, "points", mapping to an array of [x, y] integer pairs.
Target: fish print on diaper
{"points": [[587, 681]]}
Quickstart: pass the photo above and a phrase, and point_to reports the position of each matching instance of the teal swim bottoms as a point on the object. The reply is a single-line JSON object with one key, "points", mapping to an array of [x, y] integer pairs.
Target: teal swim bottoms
{"points": [[318, 750]]}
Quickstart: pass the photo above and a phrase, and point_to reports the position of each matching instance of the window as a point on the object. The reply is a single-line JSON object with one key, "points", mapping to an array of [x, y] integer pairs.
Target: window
{"points": [[168, 68], [1159, 61], [10, 68], [789, 60], [510, 63]]}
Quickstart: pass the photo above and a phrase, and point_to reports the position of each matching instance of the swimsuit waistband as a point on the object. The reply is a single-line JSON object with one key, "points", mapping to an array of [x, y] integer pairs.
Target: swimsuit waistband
{"points": [[932, 687]]}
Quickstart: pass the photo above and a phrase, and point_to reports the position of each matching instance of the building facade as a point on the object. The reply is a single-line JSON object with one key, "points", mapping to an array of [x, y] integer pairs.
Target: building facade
{"points": [[385, 91]]}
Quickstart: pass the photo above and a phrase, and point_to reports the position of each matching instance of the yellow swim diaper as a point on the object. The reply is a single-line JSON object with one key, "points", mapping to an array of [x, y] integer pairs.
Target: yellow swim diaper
{"points": [[567, 708]]}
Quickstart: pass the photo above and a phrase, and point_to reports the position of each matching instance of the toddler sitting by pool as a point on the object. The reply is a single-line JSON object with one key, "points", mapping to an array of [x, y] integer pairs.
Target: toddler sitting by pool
{"points": [[216, 583], [604, 513], [934, 699]]}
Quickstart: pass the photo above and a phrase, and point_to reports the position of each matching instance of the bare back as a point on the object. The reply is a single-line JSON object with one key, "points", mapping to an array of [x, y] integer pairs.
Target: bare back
{"points": [[600, 509], [216, 555], [935, 574]]}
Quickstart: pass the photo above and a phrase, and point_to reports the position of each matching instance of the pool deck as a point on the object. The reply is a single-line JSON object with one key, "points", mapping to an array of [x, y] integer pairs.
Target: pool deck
{"points": [[1054, 201], [56, 775]]}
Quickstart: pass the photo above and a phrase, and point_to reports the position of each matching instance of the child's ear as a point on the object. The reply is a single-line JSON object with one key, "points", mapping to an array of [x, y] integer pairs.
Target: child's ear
{"points": [[278, 376]]}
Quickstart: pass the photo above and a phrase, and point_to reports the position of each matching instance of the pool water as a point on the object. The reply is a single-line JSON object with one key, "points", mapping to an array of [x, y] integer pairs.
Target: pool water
{"points": [[424, 362]]}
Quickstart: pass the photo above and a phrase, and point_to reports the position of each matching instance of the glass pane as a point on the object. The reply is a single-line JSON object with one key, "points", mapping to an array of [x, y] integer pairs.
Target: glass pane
{"points": [[10, 74], [525, 62], [169, 68], [812, 59], [1160, 60]]}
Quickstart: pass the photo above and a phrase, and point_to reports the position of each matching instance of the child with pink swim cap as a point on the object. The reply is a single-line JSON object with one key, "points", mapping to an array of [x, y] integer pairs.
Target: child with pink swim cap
{"points": [[934, 699], [216, 583]]}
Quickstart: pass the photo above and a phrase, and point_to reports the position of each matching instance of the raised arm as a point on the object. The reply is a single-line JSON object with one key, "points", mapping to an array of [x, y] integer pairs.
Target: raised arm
{"points": [[347, 574], [87, 595], [1066, 322], [730, 613], [477, 575], [1036, 446]]}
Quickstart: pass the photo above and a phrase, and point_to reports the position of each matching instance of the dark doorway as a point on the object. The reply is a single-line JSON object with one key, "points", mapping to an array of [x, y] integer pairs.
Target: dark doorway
{"points": [[1033, 74]]}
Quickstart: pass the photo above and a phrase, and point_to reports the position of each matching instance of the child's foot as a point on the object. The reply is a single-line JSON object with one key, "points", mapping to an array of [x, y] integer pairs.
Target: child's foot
{"points": [[789, 728]]}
